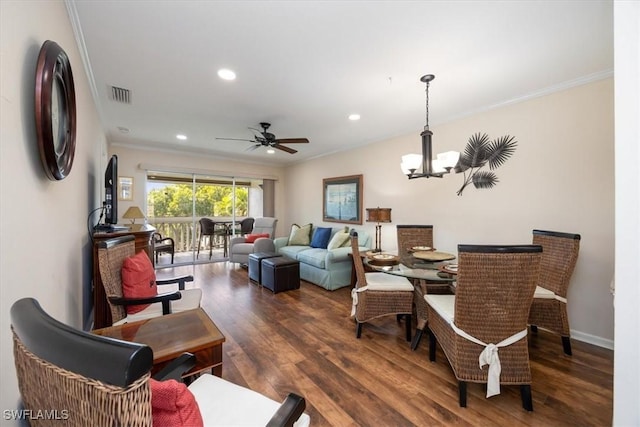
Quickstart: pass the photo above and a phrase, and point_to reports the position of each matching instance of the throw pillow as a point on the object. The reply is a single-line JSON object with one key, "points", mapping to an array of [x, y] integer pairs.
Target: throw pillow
{"points": [[172, 404], [300, 235], [251, 238], [340, 239], [138, 280], [321, 237]]}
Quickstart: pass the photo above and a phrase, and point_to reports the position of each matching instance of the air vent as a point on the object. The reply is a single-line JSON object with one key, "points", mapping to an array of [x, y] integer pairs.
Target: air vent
{"points": [[121, 95]]}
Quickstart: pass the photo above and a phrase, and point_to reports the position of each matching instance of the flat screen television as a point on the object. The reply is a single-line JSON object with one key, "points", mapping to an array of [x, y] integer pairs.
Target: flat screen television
{"points": [[111, 191]]}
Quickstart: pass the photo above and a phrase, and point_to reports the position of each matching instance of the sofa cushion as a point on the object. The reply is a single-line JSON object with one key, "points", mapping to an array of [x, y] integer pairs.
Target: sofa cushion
{"points": [[313, 256], [339, 239], [321, 237], [300, 235], [138, 280], [292, 251], [250, 238]]}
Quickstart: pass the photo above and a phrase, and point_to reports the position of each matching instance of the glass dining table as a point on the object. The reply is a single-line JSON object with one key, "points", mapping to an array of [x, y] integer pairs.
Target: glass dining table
{"points": [[427, 277]]}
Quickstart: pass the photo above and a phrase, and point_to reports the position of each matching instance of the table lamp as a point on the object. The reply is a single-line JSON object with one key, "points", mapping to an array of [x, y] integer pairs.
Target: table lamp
{"points": [[378, 215], [133, 213]]}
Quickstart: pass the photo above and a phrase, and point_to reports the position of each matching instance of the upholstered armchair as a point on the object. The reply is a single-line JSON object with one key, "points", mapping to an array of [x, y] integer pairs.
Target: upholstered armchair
{"points": [[260, 240]]}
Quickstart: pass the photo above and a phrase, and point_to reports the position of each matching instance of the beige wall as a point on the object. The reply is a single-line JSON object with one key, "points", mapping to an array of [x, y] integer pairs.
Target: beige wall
{"points": [[560, 178], [44, 243], [132, 162]]}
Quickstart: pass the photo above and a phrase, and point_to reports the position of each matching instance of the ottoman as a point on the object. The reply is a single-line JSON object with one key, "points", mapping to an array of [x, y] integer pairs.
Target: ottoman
{"points": [[255, 263], [280, 274]]}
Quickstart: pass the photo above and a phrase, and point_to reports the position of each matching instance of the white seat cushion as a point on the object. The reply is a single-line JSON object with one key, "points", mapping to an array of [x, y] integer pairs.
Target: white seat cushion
{"points": [[387, 282], [190, 300], [223, 403], [543, 293], [444, 305]]}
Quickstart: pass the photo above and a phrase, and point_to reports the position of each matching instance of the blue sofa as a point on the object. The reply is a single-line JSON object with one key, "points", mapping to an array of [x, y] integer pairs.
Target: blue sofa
{"points": [[330, 269]]}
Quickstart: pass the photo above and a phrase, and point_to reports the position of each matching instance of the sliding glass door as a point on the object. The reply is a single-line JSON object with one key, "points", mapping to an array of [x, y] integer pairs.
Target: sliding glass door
{"points": [[199, 212]]}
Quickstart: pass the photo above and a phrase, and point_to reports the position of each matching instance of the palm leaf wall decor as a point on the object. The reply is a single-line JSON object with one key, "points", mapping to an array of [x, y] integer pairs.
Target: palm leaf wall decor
{"points": [[480, 151]]}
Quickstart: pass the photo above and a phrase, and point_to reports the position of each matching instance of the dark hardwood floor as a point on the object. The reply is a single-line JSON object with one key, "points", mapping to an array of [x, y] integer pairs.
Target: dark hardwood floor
{"points": [[304, 341]]}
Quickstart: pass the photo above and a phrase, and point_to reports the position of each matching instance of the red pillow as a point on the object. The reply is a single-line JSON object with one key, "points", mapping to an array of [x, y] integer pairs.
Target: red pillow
{"points": [[172, 404], [138, 280], [251, 238]]}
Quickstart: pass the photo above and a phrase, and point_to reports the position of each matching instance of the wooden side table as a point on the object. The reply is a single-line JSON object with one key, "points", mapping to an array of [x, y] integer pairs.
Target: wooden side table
{"points": [[173, 334]]}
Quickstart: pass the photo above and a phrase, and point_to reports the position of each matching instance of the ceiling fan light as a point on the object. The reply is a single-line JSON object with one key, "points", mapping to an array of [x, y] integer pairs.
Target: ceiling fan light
{"points": [[354, 117], [226, 74], [181, 137], [271, 151]]}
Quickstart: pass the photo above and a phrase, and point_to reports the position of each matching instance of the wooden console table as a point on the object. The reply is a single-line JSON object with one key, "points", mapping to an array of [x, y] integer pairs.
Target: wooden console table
{"points": [[143, 242], [173, 334]]}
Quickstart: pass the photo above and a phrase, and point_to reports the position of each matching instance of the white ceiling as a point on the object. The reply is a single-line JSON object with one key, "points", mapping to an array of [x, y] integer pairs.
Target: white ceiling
{"points": [[305, 66]]}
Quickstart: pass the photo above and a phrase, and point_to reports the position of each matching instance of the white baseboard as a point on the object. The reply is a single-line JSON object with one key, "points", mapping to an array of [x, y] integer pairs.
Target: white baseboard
{"points": [[592, 339]]}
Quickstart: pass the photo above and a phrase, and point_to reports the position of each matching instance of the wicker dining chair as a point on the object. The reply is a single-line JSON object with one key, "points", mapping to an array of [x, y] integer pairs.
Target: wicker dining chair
{"points": [[549, 307], [410, 236], [378, 294], [111, 257], [489, 311], [73, 378]]}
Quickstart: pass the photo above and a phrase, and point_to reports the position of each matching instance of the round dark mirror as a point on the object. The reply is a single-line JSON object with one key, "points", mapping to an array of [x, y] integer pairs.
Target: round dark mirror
{"points": [[55, 111]]}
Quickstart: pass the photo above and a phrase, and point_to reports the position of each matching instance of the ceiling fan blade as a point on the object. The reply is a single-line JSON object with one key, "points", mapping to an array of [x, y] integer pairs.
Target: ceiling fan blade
{"points": [[253, 147], [292, 141], [285, 148], [237, 139]]}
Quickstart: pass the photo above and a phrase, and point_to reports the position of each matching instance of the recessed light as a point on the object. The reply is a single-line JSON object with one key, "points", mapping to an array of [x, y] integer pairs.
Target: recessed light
{"points": [[181, 137], [226, 74], [271, 151], [354, 117]]}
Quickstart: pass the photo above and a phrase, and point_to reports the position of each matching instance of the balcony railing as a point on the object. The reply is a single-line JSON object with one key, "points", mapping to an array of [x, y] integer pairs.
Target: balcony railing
{"points": [[185, 231]]}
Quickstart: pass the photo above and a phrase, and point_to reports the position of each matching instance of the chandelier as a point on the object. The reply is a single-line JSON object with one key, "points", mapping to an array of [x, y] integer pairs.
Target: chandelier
{"points": [[444, 162]]}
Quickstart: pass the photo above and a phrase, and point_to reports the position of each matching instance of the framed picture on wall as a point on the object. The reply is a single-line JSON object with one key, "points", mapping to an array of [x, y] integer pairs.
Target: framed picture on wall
{"points": [[125, 188], [342, 199]]}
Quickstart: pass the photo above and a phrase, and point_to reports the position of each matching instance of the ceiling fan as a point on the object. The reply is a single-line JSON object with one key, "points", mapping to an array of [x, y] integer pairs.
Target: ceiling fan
{"points": [[267, 139]]}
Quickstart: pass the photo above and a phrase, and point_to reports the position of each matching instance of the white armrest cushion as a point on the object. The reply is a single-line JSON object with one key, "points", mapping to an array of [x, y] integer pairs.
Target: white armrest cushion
{"points": [[223, 403]]}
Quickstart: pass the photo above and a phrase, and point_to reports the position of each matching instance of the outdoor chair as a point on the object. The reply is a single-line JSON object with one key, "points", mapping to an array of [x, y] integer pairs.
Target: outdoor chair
{"points": [[487, 316], [163, 245], [378, 294], [549, 307], [211, 229], [246, 226], [112, 255], [83, 379]]}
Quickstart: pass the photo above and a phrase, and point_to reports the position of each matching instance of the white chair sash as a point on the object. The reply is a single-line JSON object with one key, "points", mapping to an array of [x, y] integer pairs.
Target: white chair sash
{"points": [[544, 293], [489, 356], [354, 297]]}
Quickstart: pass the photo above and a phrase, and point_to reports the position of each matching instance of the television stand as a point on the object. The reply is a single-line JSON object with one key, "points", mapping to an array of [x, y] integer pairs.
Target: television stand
{"points": [[109, 228]]}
